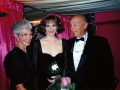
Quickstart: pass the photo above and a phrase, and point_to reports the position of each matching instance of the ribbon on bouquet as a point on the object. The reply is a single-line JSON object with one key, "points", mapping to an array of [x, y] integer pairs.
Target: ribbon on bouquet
{"points": [[52, 85]]}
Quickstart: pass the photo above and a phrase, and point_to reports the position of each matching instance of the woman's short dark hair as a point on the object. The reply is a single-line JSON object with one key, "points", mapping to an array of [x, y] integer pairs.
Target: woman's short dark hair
{"points": [[42, 25]]}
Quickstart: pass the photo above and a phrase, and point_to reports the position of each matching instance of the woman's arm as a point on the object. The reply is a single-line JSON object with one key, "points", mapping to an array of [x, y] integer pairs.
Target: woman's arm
{"points": [[35, 45], [65, 51], [12, 65], [20, 87]]}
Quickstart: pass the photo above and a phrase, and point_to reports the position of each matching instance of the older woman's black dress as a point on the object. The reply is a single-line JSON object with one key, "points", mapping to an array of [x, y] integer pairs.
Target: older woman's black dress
{"points": [[44, 60], [19, 68]]}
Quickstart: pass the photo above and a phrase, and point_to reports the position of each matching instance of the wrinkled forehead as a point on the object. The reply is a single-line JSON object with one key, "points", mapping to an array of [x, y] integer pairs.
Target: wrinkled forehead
{"points": [[25, 31], [77, 19]]}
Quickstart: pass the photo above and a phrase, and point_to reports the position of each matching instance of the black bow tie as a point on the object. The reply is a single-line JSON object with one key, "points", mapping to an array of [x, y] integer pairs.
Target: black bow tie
{"points": [[82, 39]]}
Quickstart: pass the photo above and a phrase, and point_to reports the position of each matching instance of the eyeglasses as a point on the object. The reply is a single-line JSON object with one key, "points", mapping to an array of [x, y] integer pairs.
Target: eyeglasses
{"points": [[25, 35]]}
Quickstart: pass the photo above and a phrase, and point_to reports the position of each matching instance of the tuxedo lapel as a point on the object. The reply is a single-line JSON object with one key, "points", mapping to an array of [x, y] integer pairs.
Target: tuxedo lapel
{"points": [[85, 52], [71, 44], [82, 60]]}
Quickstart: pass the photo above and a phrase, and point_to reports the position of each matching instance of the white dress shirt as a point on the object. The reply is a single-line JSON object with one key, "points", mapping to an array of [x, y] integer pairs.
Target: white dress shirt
{"points": [[78, 50]]}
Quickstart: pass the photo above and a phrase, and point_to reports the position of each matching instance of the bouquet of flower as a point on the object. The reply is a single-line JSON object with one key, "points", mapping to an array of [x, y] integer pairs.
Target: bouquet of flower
{"points": [[62, 83], [53, 69]]}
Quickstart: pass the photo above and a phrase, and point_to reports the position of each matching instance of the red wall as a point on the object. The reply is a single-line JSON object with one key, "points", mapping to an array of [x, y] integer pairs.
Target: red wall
{"points": [[108, 26]]}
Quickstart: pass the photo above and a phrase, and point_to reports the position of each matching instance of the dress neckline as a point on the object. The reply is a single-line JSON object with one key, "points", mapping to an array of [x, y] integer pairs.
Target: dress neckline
{"points": [[50, 54]]}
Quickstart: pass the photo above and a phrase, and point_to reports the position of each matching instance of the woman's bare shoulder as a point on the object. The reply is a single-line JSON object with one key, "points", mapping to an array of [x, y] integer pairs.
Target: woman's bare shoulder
{"points": [[42, 40]]}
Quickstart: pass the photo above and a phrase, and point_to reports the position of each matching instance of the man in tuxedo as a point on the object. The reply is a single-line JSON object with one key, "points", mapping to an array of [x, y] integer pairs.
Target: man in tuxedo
{"points": [[90, 60]]}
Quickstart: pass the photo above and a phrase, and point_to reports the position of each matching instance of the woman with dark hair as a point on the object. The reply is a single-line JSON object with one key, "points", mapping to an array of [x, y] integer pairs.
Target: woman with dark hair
{"points": [[18, 63], [49, 53]]}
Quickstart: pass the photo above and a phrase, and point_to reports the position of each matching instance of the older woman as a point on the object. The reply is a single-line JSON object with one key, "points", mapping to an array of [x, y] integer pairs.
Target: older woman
{"points": [[18, 64], [49, 53]]}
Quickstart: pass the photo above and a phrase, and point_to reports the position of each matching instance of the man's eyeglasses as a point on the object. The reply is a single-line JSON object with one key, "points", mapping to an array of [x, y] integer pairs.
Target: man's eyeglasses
{"points": [[25, 35]]}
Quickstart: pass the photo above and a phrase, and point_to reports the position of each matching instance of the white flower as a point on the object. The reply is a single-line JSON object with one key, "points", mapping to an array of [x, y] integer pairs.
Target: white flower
{"points": [[54, 67]]}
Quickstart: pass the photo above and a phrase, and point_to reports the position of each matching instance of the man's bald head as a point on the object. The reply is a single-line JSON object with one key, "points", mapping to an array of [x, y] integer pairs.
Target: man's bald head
{"points": [[79, 25], [81, 16]]}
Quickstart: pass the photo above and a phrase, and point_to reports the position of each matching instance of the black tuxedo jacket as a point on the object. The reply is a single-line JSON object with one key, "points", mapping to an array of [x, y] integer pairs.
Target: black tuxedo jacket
{"points": [[95, 70]]}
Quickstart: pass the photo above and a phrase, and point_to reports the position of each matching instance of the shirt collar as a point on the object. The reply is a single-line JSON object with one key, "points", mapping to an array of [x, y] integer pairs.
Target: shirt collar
{"points": [[85, 36]]}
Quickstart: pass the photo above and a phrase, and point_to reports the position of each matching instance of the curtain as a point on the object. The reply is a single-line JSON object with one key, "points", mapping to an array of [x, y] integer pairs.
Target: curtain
{"points": [[14, 12], [67, 34]]}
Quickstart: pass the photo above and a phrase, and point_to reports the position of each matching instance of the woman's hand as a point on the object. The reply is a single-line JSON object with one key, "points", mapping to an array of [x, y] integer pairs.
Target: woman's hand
{"points": [[20, 87], [53, 79]]}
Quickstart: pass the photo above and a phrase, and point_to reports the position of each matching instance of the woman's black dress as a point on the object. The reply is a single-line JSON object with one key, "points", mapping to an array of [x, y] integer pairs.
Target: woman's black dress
{"points": [[44, 60], [19, 68]]}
